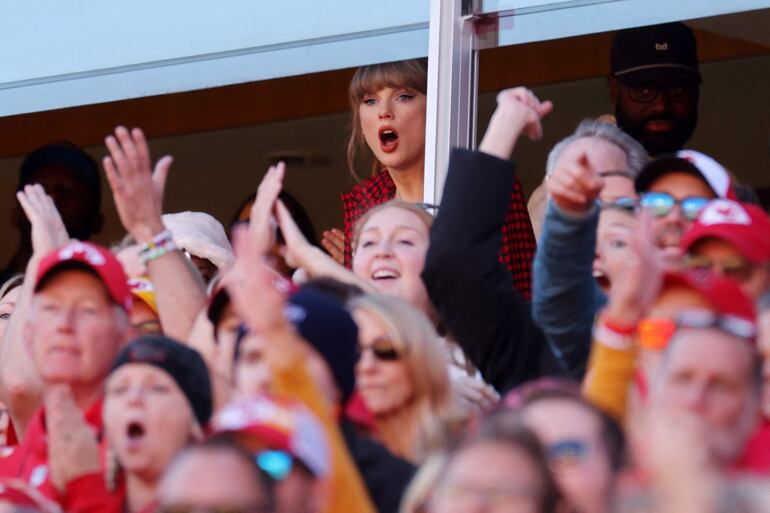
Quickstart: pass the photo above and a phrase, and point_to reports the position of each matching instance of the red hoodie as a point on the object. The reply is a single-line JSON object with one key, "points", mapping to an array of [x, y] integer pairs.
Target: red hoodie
{"points": [[28, 461]]}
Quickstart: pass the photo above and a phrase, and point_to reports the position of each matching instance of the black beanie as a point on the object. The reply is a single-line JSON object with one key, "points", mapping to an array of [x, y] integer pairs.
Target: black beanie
{"points": [[182, 363], [323, 322]]}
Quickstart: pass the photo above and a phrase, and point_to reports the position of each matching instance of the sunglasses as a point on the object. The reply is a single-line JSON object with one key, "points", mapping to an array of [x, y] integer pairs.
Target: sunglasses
{"points": [[735, 268], [276, 464], [382, 349], [662, 203], [624, 204], [731, 324], [567, 453]]}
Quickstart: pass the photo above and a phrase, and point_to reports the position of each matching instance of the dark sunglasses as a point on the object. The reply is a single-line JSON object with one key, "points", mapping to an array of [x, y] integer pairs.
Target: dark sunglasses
{"points": [[662, 203], [383, 350], [731, 324], [277, 464], [735, 268]]}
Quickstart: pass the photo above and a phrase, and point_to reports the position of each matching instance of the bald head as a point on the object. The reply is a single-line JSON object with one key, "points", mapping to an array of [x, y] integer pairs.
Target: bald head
{"points": [[215, 475]]}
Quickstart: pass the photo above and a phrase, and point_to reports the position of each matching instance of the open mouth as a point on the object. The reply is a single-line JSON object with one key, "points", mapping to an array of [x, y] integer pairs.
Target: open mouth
{"points": [[602, 280], [135, 431], [388, 139], [385, 274]]}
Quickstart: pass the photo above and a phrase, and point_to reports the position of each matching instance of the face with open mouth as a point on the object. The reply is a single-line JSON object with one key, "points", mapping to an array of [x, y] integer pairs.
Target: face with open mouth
{"points": [[390, 255], [393, 124], [147, 418]]}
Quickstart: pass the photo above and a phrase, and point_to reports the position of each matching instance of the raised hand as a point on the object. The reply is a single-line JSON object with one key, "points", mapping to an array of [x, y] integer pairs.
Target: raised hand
{"points": [[73, 449], [334, 243], [518, 112], [48, 230], [262, 224], [255, 288], [636, 279], [574, 184], [136, 188]]}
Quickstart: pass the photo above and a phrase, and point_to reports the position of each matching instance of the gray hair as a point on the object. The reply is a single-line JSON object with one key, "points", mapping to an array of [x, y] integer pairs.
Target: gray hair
{"points": [[636, 156]]}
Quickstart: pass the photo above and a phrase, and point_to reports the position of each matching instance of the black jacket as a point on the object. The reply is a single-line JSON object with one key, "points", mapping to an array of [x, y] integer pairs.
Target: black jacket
{"points": [[386, 476], [471, 290]]}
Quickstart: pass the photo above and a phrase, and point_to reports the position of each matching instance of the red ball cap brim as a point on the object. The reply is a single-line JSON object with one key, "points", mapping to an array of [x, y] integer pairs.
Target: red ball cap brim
{"points": [[95, 257]]}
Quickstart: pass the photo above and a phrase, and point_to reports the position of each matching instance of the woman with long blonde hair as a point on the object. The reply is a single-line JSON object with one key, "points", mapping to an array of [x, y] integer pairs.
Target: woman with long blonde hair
{"points": [[402, 376]]}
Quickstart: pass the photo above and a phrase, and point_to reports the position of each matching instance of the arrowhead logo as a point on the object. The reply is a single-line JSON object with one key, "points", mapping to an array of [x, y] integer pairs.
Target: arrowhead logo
{"points": [[661, 47]]}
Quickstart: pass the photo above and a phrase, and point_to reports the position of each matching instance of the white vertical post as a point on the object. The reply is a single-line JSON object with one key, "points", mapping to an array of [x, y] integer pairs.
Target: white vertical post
{"points": [[452, 90]]}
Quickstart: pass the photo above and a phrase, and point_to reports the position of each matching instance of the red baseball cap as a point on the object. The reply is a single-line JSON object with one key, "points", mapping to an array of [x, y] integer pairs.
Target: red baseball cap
{"points": [[280, 424], [95, 257], [745, 226], [724, 294]]}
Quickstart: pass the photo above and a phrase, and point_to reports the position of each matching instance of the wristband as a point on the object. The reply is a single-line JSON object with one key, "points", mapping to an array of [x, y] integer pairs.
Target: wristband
{"points": [[620, 329], [161, 244], [607, 337]]}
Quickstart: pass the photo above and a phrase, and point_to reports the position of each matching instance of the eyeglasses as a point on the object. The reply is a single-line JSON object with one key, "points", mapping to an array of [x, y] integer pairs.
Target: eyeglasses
{"points": [[277, 464], [647, 93], [736, 268], [731, 324], [662, 203], [624, 203], [382, 349], [567, 453], [191, 508]]}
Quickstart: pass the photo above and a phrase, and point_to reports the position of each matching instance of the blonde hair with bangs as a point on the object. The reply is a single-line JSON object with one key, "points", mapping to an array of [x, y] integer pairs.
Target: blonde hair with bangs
{"points": [[431, 412], [412, 74]]}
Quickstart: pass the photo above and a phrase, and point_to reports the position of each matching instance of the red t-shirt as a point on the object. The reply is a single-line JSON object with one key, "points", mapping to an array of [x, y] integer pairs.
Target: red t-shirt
{"points": [[28, 461]]}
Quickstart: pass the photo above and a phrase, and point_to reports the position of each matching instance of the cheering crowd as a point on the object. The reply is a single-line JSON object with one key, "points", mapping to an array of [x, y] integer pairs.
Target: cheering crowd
{"points": [[423, 358]]}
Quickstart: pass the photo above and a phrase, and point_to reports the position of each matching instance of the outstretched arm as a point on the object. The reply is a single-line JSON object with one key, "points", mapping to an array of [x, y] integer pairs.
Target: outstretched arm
{"points": [[20, 385], [138, 193], [470, 289]]}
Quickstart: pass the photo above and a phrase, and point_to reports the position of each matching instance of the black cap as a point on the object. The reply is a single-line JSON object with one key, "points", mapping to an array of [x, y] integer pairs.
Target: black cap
{"points": [[183, 364], [325, 324], [646, 53]]}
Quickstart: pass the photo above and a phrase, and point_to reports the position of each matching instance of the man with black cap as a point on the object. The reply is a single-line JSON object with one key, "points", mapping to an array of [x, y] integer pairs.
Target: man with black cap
{"points": [[71, 177], [654, 84]]}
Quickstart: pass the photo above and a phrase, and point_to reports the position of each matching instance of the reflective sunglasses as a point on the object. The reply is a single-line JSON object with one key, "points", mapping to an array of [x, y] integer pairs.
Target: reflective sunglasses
{"points": [[624, 203], [567, 453], [731, 324], [662, 203], [277, 464], [736, 268], [648, 93], [383, 349]]}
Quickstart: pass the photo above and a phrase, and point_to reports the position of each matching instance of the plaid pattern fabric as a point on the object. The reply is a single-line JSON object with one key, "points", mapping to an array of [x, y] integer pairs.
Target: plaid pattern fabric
{"points": [[518, 248]]}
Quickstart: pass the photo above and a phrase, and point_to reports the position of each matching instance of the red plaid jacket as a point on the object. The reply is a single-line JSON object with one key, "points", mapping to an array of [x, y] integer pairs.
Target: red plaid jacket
{"points": [[518, 248]]}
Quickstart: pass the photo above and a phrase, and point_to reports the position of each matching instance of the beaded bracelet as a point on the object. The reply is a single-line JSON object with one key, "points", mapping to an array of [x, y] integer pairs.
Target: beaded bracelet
{"points": [[160, 245]]}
